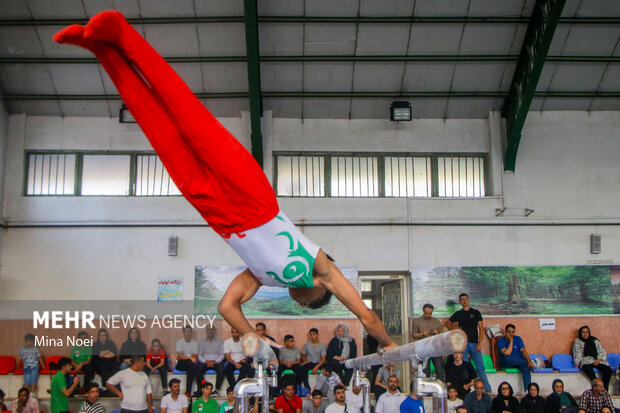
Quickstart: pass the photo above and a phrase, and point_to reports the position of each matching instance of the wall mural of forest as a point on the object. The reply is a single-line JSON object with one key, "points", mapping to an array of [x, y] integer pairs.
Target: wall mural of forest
{"points": [[534, 290]]}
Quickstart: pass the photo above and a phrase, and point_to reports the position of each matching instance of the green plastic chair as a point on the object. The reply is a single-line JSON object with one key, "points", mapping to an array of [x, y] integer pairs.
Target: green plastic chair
{"points": [[511, 370], [488, 364], [287, 371]]}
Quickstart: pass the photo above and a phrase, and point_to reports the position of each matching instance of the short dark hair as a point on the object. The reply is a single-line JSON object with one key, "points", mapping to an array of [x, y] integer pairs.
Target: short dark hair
{"points": [[314, 330], [63, 362], [173, 381], [326, 367], [91, 385], [427, 305], [411, 386], [317, 392], [338, 387], [287, 384], [260, 323], [206, 384], [230, 389], [136, 358], [463, 295], [29, 337], [23, 389], [462, 407], [510, 326], [451, 387], [82, 333], [288, 337], [187, 327], [321, 302]]}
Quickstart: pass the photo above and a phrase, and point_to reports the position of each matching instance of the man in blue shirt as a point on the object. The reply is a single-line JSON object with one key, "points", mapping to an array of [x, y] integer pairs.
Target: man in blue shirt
{"points": [[412, 404], [513, 354], [478, 401]]}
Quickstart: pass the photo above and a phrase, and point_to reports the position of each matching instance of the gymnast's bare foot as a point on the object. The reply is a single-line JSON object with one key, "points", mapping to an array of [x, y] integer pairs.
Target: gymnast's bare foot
{"points": [[73, 34], [105, 26]]}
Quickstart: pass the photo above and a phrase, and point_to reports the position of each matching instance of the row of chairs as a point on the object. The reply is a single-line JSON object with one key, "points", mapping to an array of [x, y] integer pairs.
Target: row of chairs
{"points": [[7, 365]]}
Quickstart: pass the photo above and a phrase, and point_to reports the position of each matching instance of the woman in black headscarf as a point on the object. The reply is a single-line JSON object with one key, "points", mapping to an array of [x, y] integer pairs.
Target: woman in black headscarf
{"points": [[560, 400], [504, 401], [588, 354], [533, 402], [132, 347]]}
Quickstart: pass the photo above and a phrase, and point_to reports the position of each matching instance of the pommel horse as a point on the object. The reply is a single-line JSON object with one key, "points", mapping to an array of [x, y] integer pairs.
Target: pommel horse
{"points": [[417, 352]]}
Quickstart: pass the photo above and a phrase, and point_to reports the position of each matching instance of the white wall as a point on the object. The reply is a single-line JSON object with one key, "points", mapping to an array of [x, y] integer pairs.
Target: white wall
{"points": [[567, 171]]}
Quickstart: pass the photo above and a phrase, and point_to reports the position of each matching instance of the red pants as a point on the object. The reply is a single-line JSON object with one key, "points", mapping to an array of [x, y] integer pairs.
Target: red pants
{"points": [[214, 172]]}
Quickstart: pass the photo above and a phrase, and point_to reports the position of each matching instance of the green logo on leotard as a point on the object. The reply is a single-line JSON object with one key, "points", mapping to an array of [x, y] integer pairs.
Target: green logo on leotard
{"points": [[297, 273]]}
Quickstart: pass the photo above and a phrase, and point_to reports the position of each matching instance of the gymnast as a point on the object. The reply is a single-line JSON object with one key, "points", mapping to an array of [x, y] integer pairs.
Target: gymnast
{"points": [[219, 177]]}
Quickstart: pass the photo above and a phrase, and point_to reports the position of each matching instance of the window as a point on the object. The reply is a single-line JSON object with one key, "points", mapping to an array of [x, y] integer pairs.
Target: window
{"points": [[460, 176], [354, 176], [152, 178], [301, 176], [407, 176], [50, 174], [105, 175]]}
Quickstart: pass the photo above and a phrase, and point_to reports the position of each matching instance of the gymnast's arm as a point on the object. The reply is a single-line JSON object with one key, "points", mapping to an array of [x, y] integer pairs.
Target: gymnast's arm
{"points": [[330, 278], [240, 290]]}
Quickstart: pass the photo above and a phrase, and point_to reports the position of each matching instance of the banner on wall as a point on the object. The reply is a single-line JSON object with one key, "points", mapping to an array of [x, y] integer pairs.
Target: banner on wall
{"points": [[211, 281], [532, 290], [169, 289]]}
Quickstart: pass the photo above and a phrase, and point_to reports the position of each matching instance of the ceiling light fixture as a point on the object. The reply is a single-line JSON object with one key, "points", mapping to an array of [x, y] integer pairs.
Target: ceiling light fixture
{"points": [[400, 110], [125, 116]]}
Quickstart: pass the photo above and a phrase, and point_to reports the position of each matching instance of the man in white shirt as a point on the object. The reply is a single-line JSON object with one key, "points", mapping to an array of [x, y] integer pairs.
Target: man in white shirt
{"points": [[136, 395], [339, 405], [174, 402], [211, 357], [187, 360], [390, 400], [355, 399], [233, 352]]}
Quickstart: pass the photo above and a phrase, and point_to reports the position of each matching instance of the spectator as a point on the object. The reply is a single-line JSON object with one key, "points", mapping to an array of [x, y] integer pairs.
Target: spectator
{"points": [[427, 326], [92, 403], [339, 404], [261, 330], [478, 401], [290, 358], [560, 401], [156, 361], [233, 352], [31, 358], [462, 409], [81, 357], [205, 404], [288, 401], [412, 404], [355, 399], [381, 381], [606, 409], [327, 381], [133, 346], [317, 405], [2, 405], [533, 402], [104, 356], [59, 391], [505, 402], [513, 354], [390, 400], [229, 404], [588, 353], [313, 356], [453, 400], [470, 321], [595, 398], [187, 360], [174, 402], [211, 357], [136, 395], [341, 348], [24, 403], [460, 374]]}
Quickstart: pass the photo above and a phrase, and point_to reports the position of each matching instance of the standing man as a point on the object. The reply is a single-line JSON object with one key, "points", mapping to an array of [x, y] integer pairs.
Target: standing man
{"points": [[137, 396], [59, 391], [390, 400], [595, 398], [513, 354], [478, 401], [412, 404], [233, 352], [470, 321], [187, 360], [339, 405], [211, 356], [92, 403], [205, 404], [174, 402], [427, 326]]}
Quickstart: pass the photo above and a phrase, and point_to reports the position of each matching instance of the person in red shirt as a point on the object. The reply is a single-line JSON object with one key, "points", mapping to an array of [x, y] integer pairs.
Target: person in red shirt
{"points": [[289, 402], [156, 360]]}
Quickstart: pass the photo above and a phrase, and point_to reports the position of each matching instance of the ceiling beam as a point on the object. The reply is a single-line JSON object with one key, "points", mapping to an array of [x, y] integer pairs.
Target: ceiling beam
{"points": [[522, 89], [322, 58], [253, 64]]}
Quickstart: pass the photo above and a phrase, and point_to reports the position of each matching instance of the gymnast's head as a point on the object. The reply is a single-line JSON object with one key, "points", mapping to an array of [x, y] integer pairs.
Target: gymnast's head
{"points": [[313, 298]]}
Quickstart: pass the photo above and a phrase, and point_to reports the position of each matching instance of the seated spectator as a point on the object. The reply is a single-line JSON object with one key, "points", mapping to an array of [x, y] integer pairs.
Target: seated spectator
{"points": [[390, 400], [533, 402], [453, 400], [355, 399], [588, 353], [290, 358], [133, 346], [339, 403], [560, 401], [104, 356], [205, 404], [187, 360], [211, 356], [326, 382], [313, 356], [92, 403], [32, 359], [413, 403], [156, 361], [233, 352], [595, 398], [317, 405], [478, 401], [381, 381], [505, 402], [460, 374], [462, 409], [24, 403], [261, 330], [2, 405], [606, 409], [340, 349], [174, 402], [229, 404], [288, 401], [81, 357], [513, 354]]}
